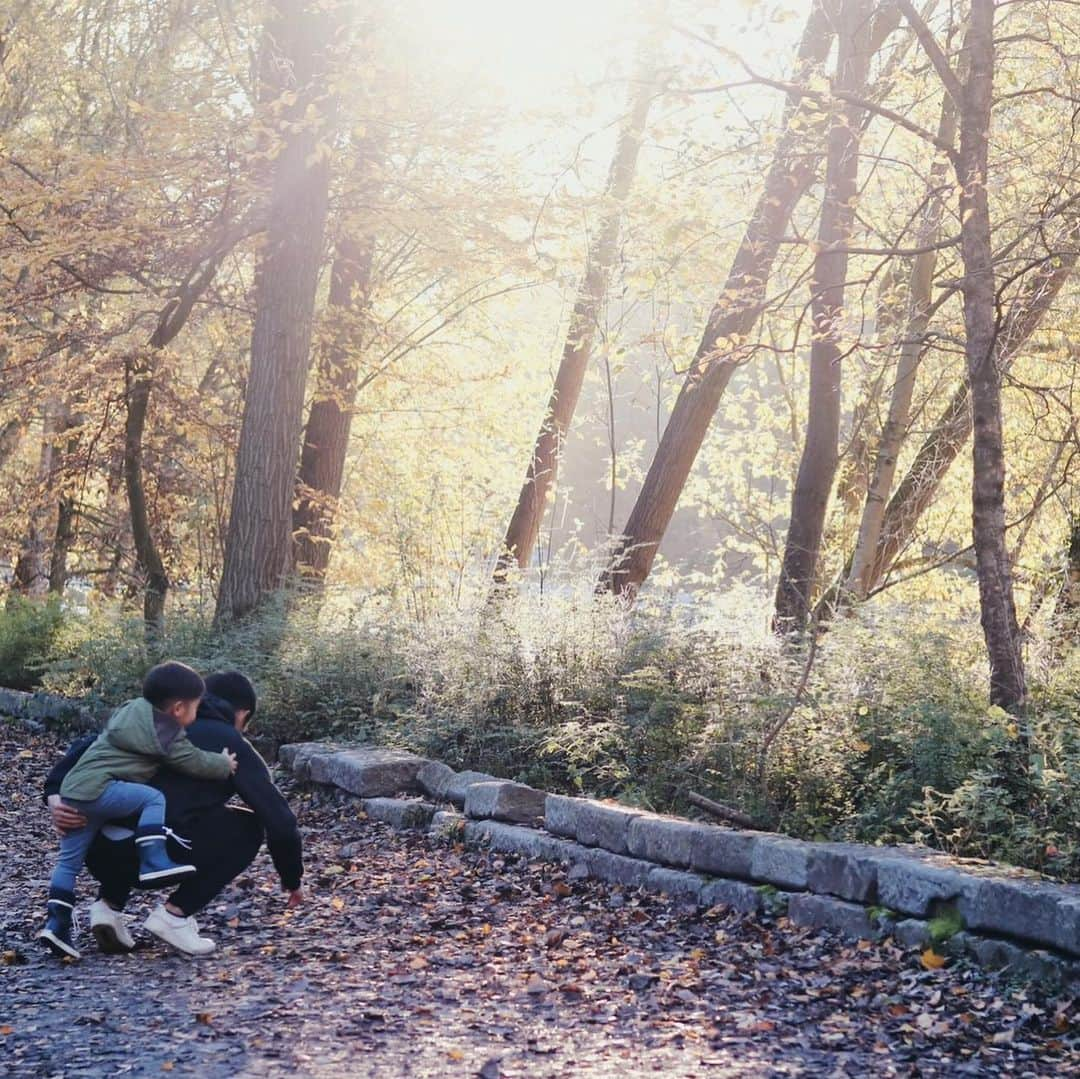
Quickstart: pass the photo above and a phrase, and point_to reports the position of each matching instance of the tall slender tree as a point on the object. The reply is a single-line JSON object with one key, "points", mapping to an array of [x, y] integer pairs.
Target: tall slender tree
{"points": [[742, 297], [540, 476], [820, 456], [974, 97], [258, 546], [326, 436], [912, 348]]}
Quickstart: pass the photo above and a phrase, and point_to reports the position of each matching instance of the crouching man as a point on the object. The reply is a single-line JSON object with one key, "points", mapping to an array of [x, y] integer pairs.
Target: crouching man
{"points": [[220, 840]]}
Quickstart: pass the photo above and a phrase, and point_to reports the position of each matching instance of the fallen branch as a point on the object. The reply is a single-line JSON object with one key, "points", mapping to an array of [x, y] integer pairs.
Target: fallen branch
{"points": [[733, 816]]}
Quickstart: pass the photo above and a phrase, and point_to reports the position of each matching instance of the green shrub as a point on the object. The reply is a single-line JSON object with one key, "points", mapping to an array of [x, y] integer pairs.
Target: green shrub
{"points": [[890, 739], [28, 629]]}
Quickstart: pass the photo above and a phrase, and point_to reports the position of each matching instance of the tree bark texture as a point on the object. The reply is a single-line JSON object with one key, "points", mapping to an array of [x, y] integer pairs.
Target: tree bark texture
{"points": [[734, 315], [139, 374], [1000, 627], [67, 509], [31, 574], [258, 547], [912, 346], [326, 436], [952, 428], [820, 456], [541, 474], [1067, 601]]}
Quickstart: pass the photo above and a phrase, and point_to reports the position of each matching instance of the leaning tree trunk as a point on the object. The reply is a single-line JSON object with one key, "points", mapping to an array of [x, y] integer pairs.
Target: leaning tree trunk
{"points": [[326, 437], [952, 428], [820, 456], [1000, 628], [258, 546], [734, 314], [540, 476], [919, 295]]}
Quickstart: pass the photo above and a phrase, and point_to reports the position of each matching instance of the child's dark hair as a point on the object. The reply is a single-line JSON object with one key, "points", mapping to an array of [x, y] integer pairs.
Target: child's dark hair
{"points": [[172, 681]]}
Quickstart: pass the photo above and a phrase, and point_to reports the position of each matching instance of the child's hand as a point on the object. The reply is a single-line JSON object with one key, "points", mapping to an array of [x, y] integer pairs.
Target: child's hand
{"points": [[230, 756]]}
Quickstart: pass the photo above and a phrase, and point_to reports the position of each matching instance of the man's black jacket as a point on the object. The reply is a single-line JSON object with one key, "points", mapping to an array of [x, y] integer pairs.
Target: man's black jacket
{"points": [[187, 799]]}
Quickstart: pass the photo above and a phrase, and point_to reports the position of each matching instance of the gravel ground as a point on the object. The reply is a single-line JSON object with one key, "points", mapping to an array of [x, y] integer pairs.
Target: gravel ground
{"points": [[415, 957]]}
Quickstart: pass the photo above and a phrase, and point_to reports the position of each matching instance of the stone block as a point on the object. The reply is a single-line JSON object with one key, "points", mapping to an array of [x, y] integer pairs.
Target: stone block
{"points": [[434, 778], [846, 870], [596, 824], [459, 784], [676, 883], [995, 954], [723, 852], [667, 840], [616, 868], [560, 815], [732, 893], [910, 933], [447, 822], [503, 800], [781, 861], [402, 814], [602, 825], [837, 915], [297, 756], [1027, 910], [528, 842], [914, 886], [368, 773]]}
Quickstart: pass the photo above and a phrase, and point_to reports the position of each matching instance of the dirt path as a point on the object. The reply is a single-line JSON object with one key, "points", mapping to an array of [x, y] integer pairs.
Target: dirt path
{"points": [[414, 957]]}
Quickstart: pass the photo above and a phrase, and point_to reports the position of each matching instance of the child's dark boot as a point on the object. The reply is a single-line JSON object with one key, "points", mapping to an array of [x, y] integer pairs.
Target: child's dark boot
{"points": [[156, 868], [56, 935]]}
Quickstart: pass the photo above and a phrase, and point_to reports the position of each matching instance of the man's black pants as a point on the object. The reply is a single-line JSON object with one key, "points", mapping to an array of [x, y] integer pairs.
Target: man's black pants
{"points": [[224, 843]]}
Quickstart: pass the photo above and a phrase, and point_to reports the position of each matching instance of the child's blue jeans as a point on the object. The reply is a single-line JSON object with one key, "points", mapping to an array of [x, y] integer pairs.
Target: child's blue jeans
{"points": [[118, 800]]}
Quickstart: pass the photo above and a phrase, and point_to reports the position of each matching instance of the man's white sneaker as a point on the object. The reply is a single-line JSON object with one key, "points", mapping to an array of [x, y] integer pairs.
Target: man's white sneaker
{"points": [[181, 933], [110, 929]]}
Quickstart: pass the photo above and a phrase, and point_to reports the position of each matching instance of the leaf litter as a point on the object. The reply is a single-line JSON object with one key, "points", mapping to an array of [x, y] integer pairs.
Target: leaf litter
{"points": [[415, 956]]}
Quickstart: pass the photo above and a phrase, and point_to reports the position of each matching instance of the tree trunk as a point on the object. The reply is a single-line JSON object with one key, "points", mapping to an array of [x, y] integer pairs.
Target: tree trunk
{"points": [[30, 576], [920, 287], [820, 456], [10, 436], [258, 546], [948, 435], [1067, 601], [734, 314], [1000, 627], [326, 437], [64, 537], [138, 375], [541, 474]]}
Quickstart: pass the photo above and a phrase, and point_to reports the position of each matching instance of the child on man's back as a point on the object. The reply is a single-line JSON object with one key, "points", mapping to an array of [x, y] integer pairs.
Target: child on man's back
{"points": [[109, 782]]}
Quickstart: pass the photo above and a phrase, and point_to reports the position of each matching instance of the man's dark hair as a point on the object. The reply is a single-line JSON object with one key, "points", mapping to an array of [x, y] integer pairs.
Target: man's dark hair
{"points": [[172, 681], [234, 688]]}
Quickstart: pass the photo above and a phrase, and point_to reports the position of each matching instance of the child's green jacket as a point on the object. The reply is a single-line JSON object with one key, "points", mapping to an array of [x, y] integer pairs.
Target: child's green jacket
{"points": [[135, 742]]}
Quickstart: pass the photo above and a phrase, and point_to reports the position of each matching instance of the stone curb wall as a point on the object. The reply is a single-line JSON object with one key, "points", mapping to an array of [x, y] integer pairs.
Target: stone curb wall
{"points": [[996, 915], [37, 711]]}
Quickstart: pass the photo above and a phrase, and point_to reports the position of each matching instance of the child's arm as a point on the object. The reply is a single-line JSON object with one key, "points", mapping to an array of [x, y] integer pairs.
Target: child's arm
{"points": [[200, 763]]}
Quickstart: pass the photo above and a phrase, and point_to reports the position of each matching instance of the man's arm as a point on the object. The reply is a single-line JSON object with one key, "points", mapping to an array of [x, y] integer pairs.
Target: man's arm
{"points": [[65, 818], [254, 785]]}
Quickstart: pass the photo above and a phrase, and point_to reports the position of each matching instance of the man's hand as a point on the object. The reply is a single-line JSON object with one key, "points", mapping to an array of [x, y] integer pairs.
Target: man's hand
{"points": [[296, 897], [230, 756], [64, 818]]}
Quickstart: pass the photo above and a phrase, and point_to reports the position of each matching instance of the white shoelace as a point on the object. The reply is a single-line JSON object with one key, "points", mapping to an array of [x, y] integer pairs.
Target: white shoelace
{"points": [[185, 843]]}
